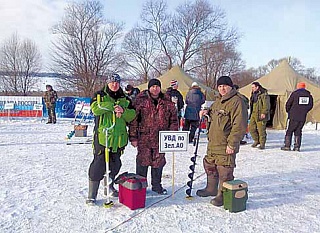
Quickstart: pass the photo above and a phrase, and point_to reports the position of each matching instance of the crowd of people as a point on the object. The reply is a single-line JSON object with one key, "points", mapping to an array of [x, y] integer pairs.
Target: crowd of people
{"points": [[129, 116]]}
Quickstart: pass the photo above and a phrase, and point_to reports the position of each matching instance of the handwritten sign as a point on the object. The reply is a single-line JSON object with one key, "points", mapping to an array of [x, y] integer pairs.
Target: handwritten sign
{"points": [[171, 141]]}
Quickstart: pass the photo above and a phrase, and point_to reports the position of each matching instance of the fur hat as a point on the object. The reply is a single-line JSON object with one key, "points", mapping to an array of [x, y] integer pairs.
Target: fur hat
{"points": [[225, 80], [301, 85], [153, 82]]}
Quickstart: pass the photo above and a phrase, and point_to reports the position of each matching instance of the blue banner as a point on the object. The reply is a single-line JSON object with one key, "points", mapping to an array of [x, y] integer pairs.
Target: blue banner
{"points": [[65, 106]]}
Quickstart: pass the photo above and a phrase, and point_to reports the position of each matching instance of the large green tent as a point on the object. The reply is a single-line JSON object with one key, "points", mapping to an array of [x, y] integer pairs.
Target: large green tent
{"points": [[280, 83], [184, 81]]}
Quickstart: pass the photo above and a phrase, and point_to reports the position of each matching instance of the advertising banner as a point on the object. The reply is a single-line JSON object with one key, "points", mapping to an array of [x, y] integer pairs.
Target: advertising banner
{"points": [[22, 106]]}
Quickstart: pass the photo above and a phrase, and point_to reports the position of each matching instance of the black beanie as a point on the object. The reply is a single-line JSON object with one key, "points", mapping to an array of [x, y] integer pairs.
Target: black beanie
{"points": [[225, 80], [154, 82]]}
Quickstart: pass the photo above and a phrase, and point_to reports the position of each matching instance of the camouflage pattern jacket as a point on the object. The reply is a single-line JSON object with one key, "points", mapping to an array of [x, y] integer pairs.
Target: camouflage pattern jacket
{"points": [[261, 106], [50, 98], [228, 123], [151, 119]]}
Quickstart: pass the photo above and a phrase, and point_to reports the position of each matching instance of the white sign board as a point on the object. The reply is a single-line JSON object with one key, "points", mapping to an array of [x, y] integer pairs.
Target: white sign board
{"points": [[8, 106], [171, 141], [86, 109], [37, 107], [78, 107]]}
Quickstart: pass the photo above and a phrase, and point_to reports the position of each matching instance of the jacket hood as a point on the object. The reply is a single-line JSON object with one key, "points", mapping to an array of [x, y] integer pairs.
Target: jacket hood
{"points": [[229, 95]]}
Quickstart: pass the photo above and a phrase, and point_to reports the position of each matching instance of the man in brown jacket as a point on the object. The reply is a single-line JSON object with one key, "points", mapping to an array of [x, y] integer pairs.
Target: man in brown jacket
{"points": [[155, 112], [227, 126]]}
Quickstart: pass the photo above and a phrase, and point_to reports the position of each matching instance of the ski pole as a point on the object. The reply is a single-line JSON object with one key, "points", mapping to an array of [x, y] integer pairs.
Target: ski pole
{"points": [[108, 202]]}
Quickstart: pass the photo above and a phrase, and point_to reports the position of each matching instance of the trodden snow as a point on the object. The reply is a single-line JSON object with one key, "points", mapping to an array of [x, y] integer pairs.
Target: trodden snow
{"points": [[44, 184]]}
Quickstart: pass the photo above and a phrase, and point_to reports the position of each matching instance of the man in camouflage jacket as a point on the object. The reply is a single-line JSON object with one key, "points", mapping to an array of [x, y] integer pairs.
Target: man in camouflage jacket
{"points": [[227, 126], [155, 112], [50, 98], [259, 115]]}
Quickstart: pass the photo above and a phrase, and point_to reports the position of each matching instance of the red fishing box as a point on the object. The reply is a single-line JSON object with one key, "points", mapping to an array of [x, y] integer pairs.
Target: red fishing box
{"points": [[132, 191]]}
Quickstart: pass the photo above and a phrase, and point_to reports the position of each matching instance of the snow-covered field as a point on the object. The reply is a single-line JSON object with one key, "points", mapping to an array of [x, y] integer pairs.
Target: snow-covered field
{"points": [[44, 186]]}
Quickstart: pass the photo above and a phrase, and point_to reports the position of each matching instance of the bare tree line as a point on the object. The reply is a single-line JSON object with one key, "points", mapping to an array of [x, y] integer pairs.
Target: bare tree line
{"points": [[20, 59], [87, 48]]}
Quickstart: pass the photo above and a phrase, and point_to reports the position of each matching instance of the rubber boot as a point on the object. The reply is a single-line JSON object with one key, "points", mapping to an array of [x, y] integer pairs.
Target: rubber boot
{"points": [[93, 192], [112, 191], [218, 200], [211, 189], [225, 174], [287, 143], [255, 144], [297, 143], [141, 170], [156, 175]]}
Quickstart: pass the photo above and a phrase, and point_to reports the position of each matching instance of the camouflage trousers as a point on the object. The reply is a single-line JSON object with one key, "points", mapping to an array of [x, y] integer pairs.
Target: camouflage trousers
{"points": [[258, 130]]}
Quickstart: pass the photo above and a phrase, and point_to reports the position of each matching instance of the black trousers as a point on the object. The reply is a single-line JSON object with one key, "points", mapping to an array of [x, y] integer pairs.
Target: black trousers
{"points": [[192, 125], [97, 167], [295, 127], [156, 175]]}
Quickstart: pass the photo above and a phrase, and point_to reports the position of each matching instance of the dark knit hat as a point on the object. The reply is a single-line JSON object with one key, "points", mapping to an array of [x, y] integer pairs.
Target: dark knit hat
{"points": [[114, 78], [225, 80], [153, 82]]}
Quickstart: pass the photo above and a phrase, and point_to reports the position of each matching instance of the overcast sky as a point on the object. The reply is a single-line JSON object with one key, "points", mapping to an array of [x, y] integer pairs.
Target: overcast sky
{"points": [[270, 29]]}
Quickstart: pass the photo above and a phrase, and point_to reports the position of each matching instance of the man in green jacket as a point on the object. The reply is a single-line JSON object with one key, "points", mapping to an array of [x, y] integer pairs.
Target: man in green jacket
{"points": [[112, 111], [227, 126], [259, 115]]}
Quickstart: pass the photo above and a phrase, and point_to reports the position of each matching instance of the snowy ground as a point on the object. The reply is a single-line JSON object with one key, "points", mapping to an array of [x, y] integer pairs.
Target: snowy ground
{"points": [[44, 186]]}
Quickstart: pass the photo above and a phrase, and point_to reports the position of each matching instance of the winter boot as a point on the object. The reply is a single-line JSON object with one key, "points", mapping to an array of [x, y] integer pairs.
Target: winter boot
{"points": [[156, 175], [218, 200], [92, 193], [225, 174], [141, 170], [287, 143], [112, 191], [262, 146], [255, 144], [211, 189], [297, 143]]}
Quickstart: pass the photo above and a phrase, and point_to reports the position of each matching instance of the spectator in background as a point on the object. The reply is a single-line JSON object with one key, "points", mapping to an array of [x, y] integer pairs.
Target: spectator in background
{"points": [[298, 105], [194, 99], [132, 92], [176, 97], [50, 98], [259, 115]]}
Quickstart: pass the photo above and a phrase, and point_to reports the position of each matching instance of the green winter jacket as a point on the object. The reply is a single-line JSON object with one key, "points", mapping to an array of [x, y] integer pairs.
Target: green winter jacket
{"points": [[228, 123], [105, 117], [261, 106]]}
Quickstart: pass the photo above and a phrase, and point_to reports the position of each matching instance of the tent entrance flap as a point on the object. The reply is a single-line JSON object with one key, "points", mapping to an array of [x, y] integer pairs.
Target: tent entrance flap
{"points": [[273, 106]]}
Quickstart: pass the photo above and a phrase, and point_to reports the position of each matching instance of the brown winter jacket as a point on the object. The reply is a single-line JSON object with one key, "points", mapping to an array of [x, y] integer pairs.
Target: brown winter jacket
{"points": [[228, 123], [151, 119]]}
